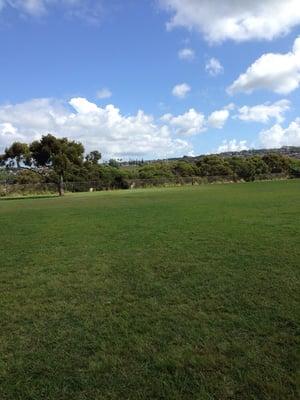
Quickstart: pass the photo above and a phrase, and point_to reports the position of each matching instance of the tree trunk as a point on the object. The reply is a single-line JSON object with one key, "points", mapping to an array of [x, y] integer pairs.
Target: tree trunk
{"points": [[61, 189]]}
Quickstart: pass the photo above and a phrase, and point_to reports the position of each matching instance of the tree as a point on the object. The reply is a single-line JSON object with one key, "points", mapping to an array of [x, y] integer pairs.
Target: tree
{"points": [[58, 155], [155, 171], [17, 154], [93, 157], [26, 176], [276, 163], [184, 168], [294, 168], [113, 163], [213, 166], [49, 156], [243, 168]]}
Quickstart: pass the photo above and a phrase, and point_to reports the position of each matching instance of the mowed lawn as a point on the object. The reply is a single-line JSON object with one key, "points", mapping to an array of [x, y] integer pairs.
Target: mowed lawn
{"points": [[180, 293]]}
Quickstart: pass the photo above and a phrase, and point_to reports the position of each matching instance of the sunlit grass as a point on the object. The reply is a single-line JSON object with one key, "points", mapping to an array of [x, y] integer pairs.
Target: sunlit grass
{"points": [[180, 293]]}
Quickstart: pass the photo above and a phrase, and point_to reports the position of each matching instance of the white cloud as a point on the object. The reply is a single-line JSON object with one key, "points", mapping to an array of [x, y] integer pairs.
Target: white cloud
{"points": [[8, 134], [83, 9], [83, 106], [194, 122], [277, 136], [188, 124], [106, 129], [186, 54], [237, 20], [104, 93], [217, 119], [279, 73], [230, 107], [32, 7], [214, 67], [6, 128], [232, 145], [181, 90], [264, 112]]}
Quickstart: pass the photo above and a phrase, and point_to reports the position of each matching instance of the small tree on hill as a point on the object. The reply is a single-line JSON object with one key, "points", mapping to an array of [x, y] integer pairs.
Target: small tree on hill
{"points": [[93, 157]]}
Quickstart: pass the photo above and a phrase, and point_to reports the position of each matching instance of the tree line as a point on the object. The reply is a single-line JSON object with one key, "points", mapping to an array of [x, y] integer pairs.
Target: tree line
{"points": [[58, 160]]}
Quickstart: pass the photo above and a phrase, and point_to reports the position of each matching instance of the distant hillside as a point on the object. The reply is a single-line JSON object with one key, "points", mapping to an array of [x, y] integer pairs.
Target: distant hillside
{"points": [[290, 151]]}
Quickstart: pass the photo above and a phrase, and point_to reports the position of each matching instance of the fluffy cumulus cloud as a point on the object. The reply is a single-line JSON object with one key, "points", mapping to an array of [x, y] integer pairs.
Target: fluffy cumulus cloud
{"points": [[279, 73], [238, 20], [194, 122], [106, 129], [264, 113], [186, 54], [218, 118], [232, 145], [181, 90], [190, 123], [277, 136], [214, 67]]}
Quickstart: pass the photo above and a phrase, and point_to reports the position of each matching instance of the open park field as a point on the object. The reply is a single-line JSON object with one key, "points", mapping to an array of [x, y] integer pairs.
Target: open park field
{"points": [[179, 293]]}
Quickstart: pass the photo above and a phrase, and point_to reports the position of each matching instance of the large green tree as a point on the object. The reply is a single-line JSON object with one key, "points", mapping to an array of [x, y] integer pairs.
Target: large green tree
{"points": [[49, 156]]}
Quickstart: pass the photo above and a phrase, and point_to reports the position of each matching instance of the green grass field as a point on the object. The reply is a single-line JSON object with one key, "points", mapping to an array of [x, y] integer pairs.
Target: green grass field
{"points": [[180, 293]]}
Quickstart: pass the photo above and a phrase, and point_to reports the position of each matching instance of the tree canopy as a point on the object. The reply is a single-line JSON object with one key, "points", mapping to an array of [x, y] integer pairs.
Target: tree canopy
{"points": [[49, 156]]}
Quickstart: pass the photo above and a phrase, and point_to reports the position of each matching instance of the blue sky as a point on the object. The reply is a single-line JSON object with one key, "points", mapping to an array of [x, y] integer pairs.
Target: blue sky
{"points": [[151, 78]]}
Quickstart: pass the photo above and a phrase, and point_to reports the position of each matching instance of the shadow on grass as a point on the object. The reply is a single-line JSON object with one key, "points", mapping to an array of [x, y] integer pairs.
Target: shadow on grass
{"points": [[29, 197]]}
